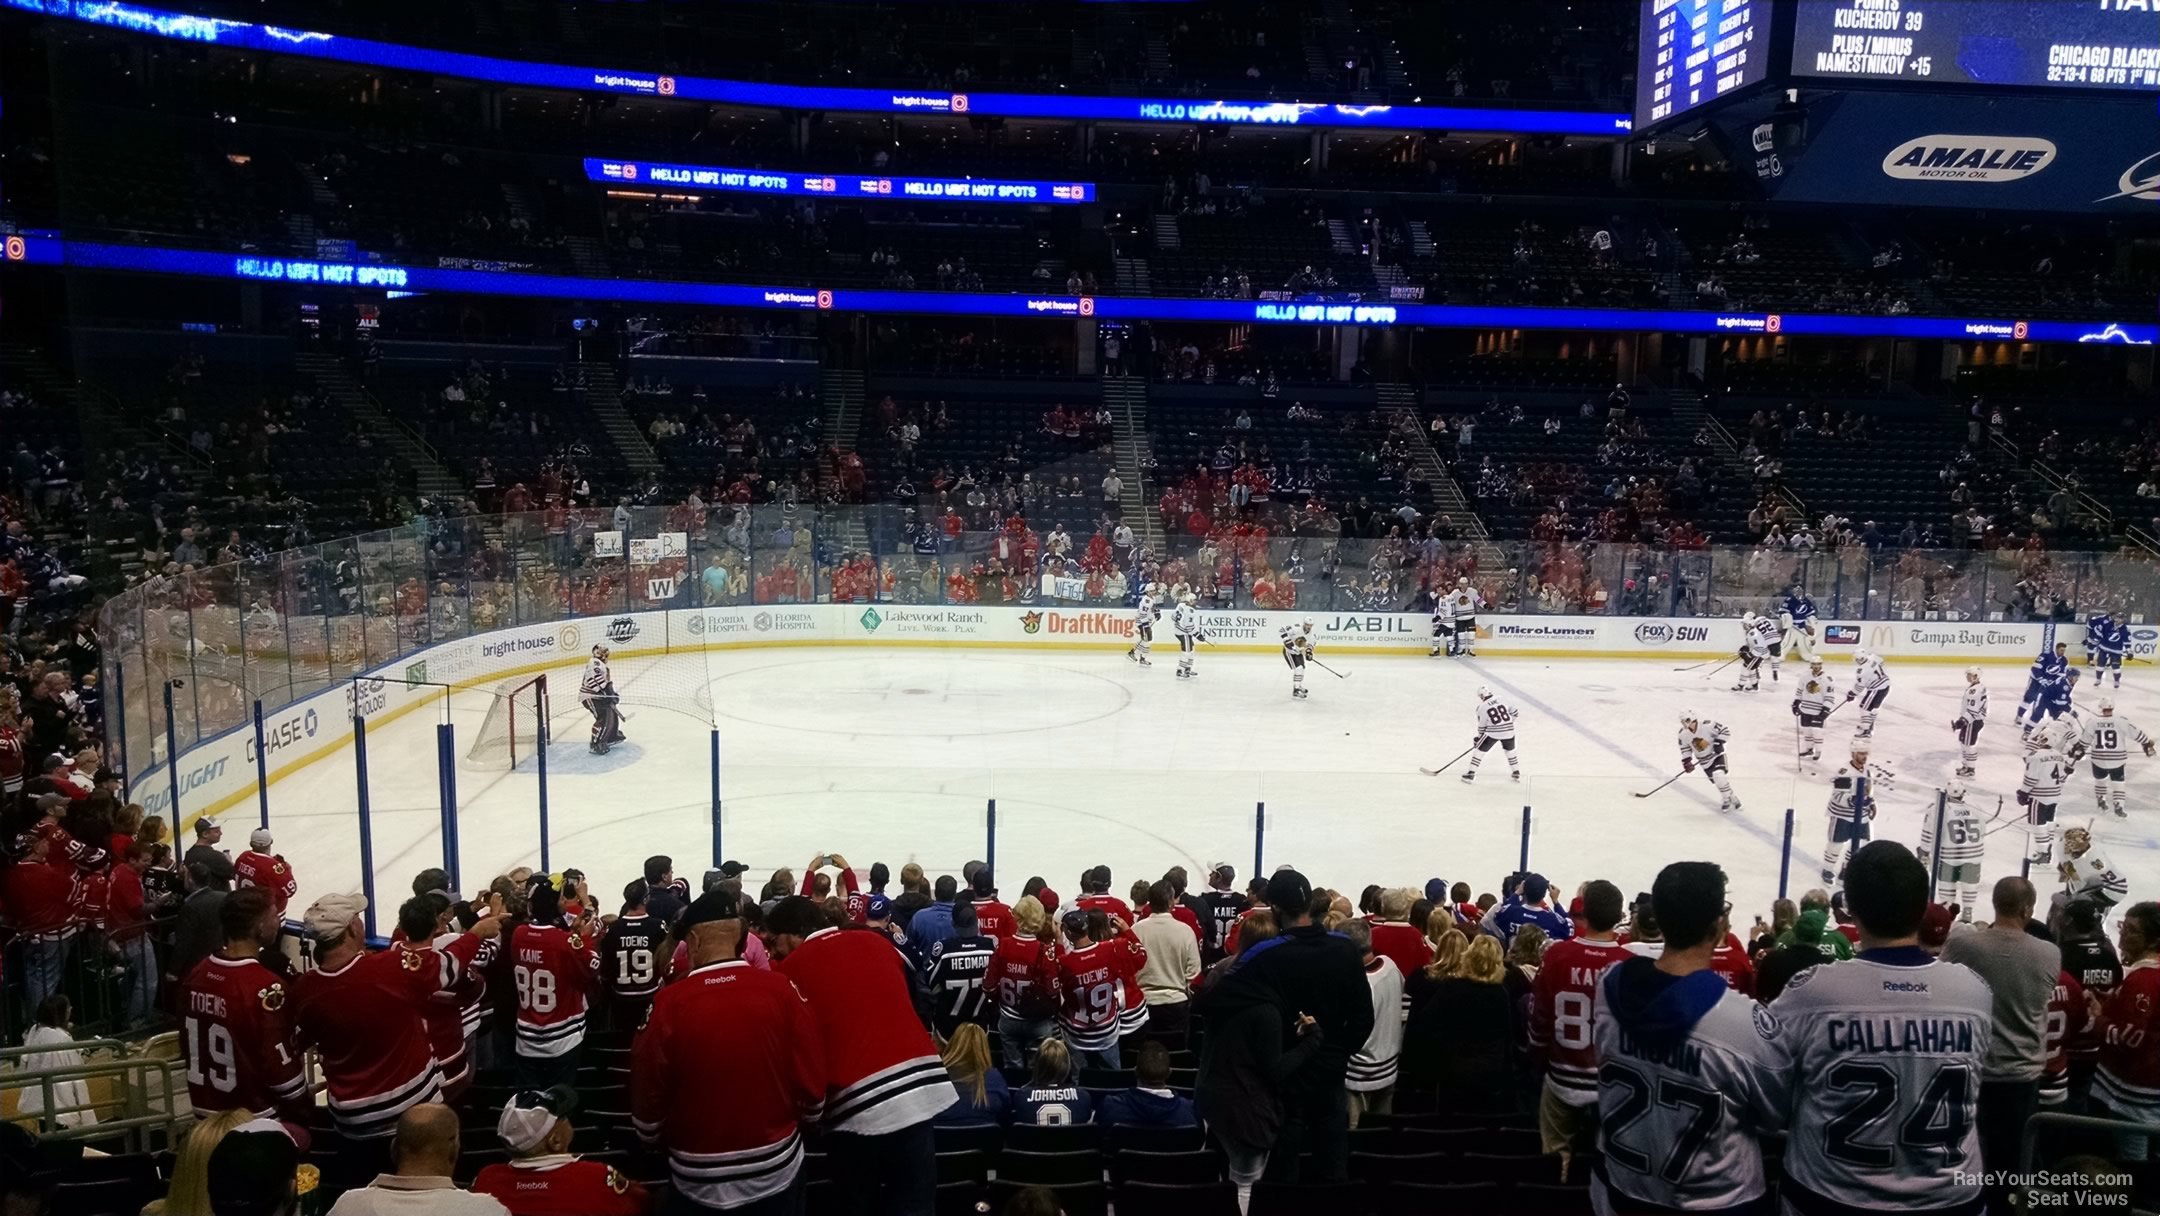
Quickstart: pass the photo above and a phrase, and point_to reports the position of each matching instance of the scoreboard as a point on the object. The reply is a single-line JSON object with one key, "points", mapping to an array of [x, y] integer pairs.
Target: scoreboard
{"points": [[1693, 52], [2086, 44]]}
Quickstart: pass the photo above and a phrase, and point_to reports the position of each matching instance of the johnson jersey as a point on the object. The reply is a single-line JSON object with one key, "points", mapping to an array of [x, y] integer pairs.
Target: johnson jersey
{"points": [[1185, 619], [1466, 602], [1023, 978], [366, 1023], [1562, 1028], [598, 681], [1705, 743], [2089, 876], [2129, 1077], [2068, 1020], [1494, 719], [1886, 1051], [555, 970], [1144, 612], [1091, 979], [1297, 640], [2045, 772], [2107, 741], [1815, 699], [1679, 1122], [956, 970], [631, 955], [236, 1036], [253, 869], [1973, 707], [1869, 674], [1964, 835]]}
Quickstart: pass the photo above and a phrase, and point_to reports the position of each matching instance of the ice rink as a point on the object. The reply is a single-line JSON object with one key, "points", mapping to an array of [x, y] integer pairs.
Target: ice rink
{"points": [[893, 755]]}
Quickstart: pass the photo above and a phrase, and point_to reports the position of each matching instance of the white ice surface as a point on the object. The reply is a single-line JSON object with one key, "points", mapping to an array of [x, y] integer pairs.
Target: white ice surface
{"points": [[893, 755]]}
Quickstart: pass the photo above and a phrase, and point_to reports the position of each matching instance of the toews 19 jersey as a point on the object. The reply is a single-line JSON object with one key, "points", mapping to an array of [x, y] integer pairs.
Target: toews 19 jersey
{"points": [[1091, 978], [1679, 1122], [237, 1040], [630, 955], [1887, 1051]]}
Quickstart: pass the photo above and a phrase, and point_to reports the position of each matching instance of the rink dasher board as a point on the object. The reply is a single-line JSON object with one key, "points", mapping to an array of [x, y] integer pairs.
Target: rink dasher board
{"points": [[219, 773]]}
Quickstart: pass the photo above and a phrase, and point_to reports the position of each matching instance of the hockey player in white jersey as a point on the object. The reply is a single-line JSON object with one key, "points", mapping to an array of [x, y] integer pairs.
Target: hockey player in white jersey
{"points": [[597, 693], [1953, 854], [2046, 772], [1443, 623], [2106, 741], [1495, 721], [1692, 1074], [1886, 1052], [1811, 706], [1465, 601], [2086, 874], [1143, 620], [1852, 806], [1185, 623], [1297, 646], [1702, 745], [1972, 715], [1871, 686], [1758, 641]]}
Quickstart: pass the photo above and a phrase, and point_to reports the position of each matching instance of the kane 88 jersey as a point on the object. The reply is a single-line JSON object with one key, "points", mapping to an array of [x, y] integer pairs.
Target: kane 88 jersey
{"points": [[1495, 719], [1886, 1051]]}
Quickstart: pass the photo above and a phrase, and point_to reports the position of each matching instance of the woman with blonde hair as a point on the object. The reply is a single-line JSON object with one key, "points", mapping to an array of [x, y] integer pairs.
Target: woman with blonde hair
{"points": [[984, 1099], [1051, 1098], [188, 1194], [1023, 983], [1459, 1042]]}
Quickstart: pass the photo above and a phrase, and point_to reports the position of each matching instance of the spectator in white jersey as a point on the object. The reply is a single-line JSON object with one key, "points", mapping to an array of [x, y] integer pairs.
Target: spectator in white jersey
{"points": [[1692, 1072], [1885, 1047], [2020, 971]]}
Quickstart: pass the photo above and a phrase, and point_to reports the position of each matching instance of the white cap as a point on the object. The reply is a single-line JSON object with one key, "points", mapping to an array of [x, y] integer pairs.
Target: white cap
{"points": [[531, 1114], [259, 839], [331, 915]]}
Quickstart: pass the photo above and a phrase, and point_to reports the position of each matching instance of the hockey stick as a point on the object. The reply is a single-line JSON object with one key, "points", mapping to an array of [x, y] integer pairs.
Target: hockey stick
{"points": [[1434, 772], [1692, 666], [1664, 783], [1720, 667], [1340, 675]]}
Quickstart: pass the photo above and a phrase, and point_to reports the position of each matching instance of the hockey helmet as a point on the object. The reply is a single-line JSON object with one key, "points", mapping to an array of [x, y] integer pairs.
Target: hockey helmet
{"points": [[600, 651], [1462, 580], [1188, 599], [1860, 656], [1688, 718], [1956, 789], [2077, 840], [1747, 618], [1484, 693], [1972, 675], [2107, 706]]}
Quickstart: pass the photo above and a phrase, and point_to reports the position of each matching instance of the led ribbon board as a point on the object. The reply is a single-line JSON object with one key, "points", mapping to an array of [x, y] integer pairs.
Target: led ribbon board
{"points": [[338, 48], [50, 250], [709, 178]]}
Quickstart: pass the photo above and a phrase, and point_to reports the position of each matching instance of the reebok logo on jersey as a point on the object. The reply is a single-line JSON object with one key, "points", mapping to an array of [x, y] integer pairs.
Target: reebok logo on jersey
{"points": [[1903, 986]]}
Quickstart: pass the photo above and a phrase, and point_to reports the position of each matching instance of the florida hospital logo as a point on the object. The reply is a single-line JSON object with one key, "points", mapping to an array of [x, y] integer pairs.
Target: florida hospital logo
{"points": [[1031, 622], [696, 623], [870, 620], [569, 637], [762, 622]]}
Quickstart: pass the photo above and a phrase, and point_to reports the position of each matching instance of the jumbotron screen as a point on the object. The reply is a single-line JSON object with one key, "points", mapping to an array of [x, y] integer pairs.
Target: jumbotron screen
{"points": [[1691, 52], [2083, 44]]}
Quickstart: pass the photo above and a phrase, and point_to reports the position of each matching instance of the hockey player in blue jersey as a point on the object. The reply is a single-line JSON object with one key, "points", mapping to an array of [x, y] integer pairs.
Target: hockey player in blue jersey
{"points": [[1797, 618], [2047, 672], [2057, 700], [2107, 643], [2096, 635]]}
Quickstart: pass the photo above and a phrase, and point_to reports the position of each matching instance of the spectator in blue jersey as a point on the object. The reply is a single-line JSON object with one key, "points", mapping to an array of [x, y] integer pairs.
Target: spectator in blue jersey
{"points": [[953, 974], [1150, 1102], [1531, 908], [1051, 1098], [984, 1099], [933, 924]]}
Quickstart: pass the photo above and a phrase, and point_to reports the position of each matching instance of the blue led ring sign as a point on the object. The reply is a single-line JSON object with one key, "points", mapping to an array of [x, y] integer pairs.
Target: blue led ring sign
{"points": [[715, 178]]}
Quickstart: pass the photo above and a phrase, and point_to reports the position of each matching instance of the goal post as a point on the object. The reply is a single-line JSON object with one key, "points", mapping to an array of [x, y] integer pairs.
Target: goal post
{"points": [[516, 727]]}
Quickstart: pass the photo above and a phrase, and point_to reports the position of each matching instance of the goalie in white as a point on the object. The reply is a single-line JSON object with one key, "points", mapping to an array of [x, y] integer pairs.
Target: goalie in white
{"points": [[1495, 721], [1185, 623], [2105, 742], [1963, 845], [2086, 874], [597, 693], [1702, 745], [1297, 646]]}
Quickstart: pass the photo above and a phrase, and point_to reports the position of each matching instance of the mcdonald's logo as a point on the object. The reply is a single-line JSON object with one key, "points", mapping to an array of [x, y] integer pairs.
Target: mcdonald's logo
{"points": [[1882, 637]]}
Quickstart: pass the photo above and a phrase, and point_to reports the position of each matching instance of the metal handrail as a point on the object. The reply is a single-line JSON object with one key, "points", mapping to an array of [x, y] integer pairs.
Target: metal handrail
{"points": [[2029, 1142], [146, 1088]]}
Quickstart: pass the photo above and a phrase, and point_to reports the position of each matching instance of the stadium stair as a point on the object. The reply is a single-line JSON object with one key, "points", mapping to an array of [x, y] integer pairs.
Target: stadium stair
{"points": [[840, 396], [1132, 277], [430, 476], [1400, 403], [1167, 235], [1127, 397], [602, 398]]}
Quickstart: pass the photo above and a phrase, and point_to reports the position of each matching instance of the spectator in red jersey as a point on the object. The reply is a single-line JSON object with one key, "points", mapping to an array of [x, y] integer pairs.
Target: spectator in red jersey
{"points": [[849, 884], [236, 1033], [35, 888], [1095, 896], [1093, 970], [423, 923], [556, 969], [365, 1015], [992, 918], [543, 1177], [885, 1082], [1394, 937], [2127, 1085], [128, 929], [1561, 1027], [742, 1154], [259, 867], [1024, 983]]}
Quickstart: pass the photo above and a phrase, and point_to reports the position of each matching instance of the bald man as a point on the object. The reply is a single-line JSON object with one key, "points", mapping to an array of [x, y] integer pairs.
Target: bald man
{"points": [[426, 1152]]}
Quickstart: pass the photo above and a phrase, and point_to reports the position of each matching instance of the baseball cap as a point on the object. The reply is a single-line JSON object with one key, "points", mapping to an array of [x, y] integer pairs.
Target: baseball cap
{"points": [[711, 906], [1810, 926], [1935, 926], [103, 775], [332, 914], [1436, 890], [1075, 920], [531, 1114], [1048, 899], [259, 838], [1223, 868], [1289, 889], [205, 825], [729, 869], [252, 1169], [877, 907], [1534, 888]]}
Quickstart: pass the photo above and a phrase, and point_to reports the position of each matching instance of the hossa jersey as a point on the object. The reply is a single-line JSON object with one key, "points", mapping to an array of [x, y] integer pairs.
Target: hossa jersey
{"points": [[1186, 620], [1679, 1121], [630, 961], [2129, 1076], [1466, 602], [2089, 876], [1886, 1051], [1964, 835], [598, 681], [2107, 741], [1974, 706], [1495, 719], [2045, 773], [1705, 743], [1297, 640]]}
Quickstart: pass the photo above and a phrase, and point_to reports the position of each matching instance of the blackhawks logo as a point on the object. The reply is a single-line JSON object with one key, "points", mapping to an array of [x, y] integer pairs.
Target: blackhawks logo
{"points": [[1031, 622], [411, 960], [273, 997]]}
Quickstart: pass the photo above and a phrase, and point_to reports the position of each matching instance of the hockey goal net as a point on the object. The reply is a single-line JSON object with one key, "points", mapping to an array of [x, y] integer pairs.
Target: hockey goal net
{"points": [[516, 726]]}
